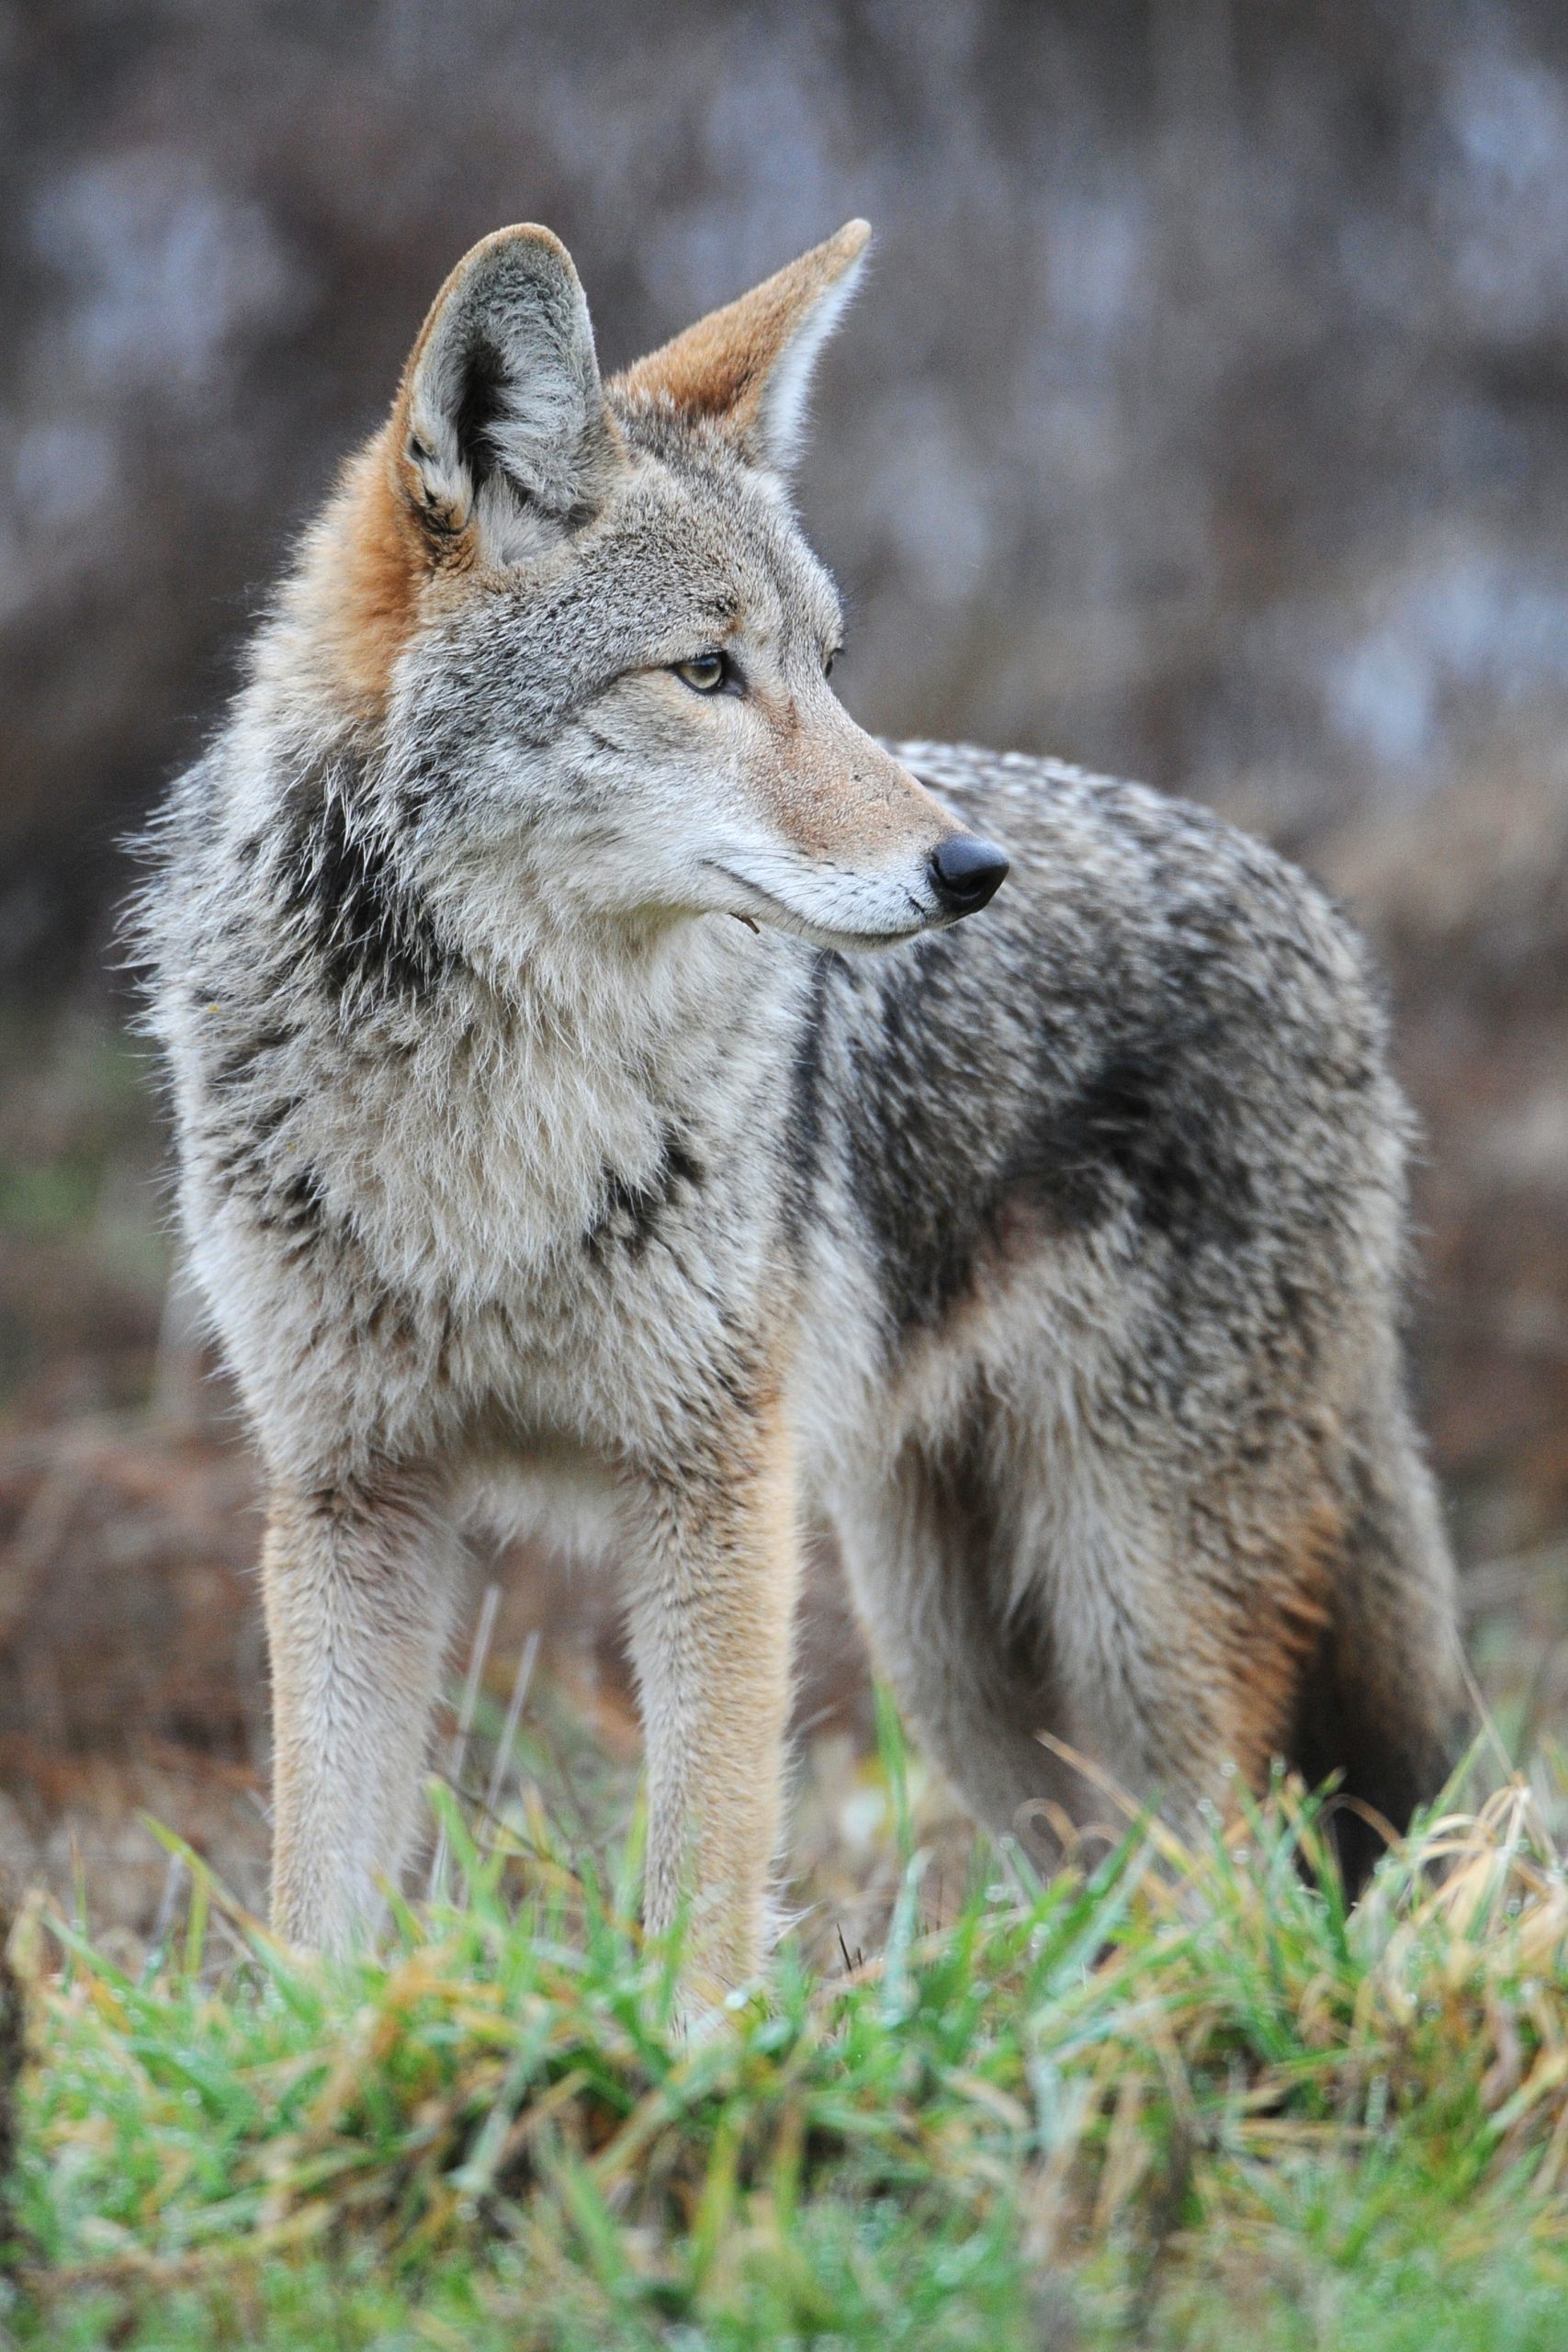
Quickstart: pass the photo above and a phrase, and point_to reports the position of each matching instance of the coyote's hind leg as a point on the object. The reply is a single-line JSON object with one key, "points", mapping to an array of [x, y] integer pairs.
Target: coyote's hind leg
{"points": [[359, 1583], [927, 1569]]}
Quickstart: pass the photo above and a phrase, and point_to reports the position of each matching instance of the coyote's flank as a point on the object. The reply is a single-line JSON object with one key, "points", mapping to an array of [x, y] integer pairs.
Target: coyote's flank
{"points": [[554, 1144]]}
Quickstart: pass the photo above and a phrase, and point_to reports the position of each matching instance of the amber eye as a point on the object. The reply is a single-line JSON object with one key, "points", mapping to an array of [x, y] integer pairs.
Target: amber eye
{"points": [[709, 673]]}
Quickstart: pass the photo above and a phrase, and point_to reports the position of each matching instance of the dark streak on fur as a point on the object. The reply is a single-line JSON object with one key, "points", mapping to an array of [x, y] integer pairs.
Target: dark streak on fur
{"points": [[1127, 1135], [1143, 1135], [372, 937], [804, 1135], [295, 1209], [632, 1208]]}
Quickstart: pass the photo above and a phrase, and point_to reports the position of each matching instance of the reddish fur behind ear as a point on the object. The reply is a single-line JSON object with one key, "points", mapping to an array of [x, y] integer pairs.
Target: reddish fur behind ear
{"points": [[722, 366], [377, 542], [363, 566]]}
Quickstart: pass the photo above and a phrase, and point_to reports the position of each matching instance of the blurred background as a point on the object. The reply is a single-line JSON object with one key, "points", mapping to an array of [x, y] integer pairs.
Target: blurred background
{"points": [[1204, 418]]}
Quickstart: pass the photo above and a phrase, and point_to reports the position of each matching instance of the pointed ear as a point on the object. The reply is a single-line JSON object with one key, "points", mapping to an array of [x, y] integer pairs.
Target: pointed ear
{"points": [[749, 366], [500, 439]]}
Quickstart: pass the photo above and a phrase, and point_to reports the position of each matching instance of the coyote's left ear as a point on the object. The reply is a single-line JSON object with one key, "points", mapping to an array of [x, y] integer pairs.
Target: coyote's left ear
{"points": [[501, 433], [749, 366]]}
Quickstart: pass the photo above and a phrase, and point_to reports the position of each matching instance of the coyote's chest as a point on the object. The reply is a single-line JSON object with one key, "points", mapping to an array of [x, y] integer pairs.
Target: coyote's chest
{"points": [[509, 1236]]}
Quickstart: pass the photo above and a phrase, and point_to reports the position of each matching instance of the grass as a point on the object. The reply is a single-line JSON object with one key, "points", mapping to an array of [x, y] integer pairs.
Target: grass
{"points": [[1179, 2099]]}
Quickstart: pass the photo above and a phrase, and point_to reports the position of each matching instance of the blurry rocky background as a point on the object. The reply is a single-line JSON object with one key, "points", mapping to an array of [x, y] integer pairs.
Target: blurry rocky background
{"points": [[1205, 417]]}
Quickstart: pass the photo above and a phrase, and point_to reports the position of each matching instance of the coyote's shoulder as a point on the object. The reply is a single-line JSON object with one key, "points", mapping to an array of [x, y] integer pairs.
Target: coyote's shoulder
{"points": [[546, 1123], [1161, 1030]]}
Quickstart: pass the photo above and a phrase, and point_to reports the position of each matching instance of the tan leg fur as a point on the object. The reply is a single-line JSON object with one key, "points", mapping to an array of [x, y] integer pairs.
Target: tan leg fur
{"points": [[359, 1591], [716, 1571]]}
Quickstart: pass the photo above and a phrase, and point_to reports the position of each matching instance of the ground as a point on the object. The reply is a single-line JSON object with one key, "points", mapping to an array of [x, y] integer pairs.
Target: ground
{"points": [[1177, 2100]]}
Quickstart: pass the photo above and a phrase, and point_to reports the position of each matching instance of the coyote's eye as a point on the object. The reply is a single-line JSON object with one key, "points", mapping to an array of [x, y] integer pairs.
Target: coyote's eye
{"points": [[829, 660], [709, 673]]}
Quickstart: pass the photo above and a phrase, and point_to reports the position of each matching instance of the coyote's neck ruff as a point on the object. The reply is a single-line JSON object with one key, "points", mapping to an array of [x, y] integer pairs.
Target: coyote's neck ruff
{"points": [[547, 1134]]}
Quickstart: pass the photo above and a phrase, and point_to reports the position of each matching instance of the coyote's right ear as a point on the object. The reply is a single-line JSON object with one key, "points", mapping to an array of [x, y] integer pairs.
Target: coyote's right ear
{"points": [[501, 439]]}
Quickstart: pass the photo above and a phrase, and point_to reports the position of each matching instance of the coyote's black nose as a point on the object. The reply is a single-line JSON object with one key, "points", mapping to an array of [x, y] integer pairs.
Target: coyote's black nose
{"points": [[967, 872]]}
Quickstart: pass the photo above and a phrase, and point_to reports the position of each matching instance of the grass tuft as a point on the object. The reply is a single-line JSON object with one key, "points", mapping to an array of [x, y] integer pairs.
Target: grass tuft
{"points": [[1182, 2097]]}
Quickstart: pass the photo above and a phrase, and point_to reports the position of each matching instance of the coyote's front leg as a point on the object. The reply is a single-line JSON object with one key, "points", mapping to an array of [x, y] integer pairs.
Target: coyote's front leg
{"points": [[713, 1570], [359, 1582]]}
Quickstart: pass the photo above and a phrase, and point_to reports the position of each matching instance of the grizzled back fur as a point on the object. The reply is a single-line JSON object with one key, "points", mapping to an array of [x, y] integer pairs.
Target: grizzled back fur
{"points": [[552, 1144]]}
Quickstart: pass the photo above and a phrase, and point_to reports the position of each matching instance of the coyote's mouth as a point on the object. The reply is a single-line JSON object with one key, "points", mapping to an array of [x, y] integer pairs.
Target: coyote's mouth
{"points": [[822, 931]]}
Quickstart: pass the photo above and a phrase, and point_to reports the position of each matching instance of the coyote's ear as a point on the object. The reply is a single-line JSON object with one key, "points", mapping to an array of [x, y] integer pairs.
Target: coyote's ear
{"points": [[749, 366], [501, 427]]}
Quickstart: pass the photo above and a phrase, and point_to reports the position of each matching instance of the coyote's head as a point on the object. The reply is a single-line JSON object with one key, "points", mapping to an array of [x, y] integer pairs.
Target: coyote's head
{"points": [[593, 644]]}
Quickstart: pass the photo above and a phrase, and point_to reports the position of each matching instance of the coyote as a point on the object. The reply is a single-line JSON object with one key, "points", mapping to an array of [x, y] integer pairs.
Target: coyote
{"points": [[552, 1146]]}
